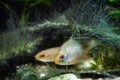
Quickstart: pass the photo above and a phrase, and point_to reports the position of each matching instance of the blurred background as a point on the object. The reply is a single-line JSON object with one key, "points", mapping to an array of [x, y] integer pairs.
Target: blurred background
{"points": [[39, 10]]}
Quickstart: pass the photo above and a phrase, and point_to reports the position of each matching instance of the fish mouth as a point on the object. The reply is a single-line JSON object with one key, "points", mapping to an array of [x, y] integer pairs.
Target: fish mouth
{"points": [[62, 62], [45, 60]]}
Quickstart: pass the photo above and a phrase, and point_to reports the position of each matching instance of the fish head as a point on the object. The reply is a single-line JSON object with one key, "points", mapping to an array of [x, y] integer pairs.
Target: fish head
{"points": [[69, 53], [63, 59], [43, 57], [67, 59], [47, 55]]}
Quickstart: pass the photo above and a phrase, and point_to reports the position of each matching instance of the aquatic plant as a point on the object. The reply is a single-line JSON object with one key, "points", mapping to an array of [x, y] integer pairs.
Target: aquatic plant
{"points": [[26, 72], [88, 19], [25, 13], [114, 1], [14, 41]]}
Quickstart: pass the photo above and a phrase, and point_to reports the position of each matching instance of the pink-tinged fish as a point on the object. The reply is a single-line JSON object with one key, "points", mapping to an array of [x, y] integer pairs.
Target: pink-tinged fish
{"points": [[90, 44], [47, 55], [86, 63], [70, 53]]}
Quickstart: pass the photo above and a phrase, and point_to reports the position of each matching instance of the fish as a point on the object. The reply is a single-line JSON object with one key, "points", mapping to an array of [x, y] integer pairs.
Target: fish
{"points": [[47, 55], [89, 45], [69, 53], [73, 52], [86, 63]]}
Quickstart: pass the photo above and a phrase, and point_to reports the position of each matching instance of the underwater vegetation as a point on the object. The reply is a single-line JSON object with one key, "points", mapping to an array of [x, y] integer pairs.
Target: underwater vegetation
{"points": [[81, 40]]}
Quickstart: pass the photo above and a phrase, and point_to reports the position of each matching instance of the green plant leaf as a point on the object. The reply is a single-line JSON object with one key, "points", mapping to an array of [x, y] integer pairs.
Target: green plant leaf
{"points": [[46, 2], [6, 6], [115, 13], [114, 1]]}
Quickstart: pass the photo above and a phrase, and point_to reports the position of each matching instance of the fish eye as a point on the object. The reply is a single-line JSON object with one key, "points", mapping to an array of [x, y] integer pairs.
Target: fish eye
{"points": [[61, 56], [42, 55]]}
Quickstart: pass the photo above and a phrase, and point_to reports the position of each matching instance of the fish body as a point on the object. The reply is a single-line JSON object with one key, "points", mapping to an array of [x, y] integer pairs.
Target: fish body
{"points": [[69, 53], [47, 55], [86, 63], [89, 45], [92, 43]]}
